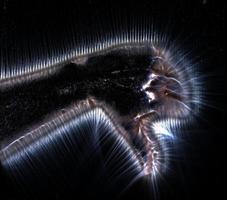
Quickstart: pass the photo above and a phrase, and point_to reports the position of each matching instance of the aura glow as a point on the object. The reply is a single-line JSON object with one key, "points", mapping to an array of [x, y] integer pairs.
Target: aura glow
{"points": [[163, 90]]}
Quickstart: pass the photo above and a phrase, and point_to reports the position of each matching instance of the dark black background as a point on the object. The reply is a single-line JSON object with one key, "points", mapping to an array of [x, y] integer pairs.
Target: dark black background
{"points": [[200, 168]]}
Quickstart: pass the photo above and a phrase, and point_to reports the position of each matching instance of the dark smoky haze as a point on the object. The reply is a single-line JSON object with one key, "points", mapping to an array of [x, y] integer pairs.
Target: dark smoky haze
{"points": [[197, 168]]}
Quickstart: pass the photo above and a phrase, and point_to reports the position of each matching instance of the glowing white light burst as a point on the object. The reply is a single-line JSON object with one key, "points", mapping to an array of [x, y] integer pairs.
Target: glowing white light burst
{"points": [[171, 83]]}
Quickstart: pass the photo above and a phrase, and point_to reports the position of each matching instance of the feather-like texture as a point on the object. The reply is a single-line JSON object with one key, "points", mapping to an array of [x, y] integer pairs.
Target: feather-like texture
{"points": [[83, 150], [147, 82]]}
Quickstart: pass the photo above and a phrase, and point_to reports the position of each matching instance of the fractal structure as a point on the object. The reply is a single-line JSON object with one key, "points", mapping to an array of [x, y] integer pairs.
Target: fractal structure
{"points": [[111, 105]]}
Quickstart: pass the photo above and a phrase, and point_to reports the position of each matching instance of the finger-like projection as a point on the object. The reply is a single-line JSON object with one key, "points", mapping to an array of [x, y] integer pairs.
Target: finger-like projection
{"points": [[138, 87]]}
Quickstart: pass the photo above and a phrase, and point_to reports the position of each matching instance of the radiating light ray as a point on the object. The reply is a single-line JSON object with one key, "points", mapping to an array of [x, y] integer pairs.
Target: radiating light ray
{"points": [[171, 113], [63, 132]]}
